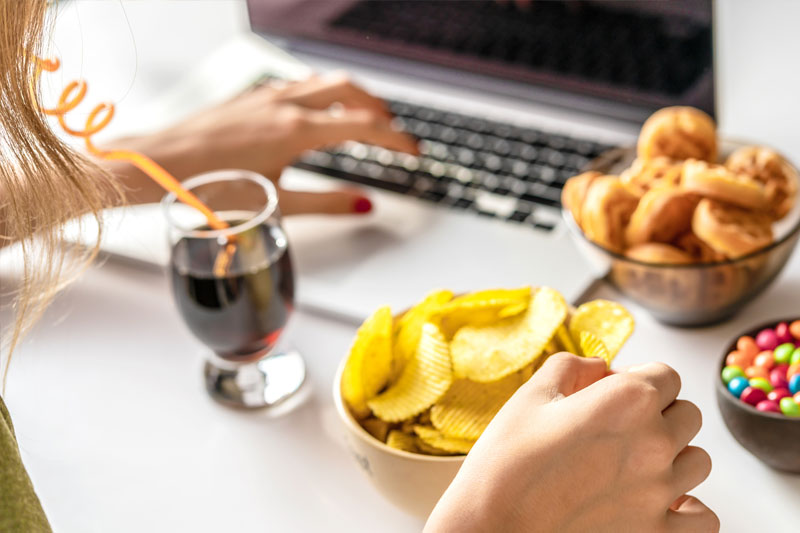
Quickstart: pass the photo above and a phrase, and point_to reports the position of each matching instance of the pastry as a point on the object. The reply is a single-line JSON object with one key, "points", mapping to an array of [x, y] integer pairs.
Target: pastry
{"points": [[659, 253], [769, 168], [678, 133], [645, 174], [697, 248], [574, 192], [717, 182], [731, 230], [663, 213], [606, 211]]}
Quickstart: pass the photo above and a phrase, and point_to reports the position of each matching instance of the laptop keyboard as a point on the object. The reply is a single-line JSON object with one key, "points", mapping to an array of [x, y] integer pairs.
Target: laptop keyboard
{"points": [[495, 169]]}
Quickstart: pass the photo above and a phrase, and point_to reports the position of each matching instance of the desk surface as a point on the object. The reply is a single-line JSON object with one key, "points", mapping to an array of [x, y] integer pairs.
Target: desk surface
{"points": [[118, 434]]}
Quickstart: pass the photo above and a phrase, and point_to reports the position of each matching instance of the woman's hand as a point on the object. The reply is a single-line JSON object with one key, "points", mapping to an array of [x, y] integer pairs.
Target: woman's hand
{"points": [[578, 450], [264, 130]]}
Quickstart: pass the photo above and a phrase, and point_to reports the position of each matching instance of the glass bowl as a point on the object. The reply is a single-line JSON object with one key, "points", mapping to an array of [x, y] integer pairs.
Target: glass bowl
{"points": [[690, 294]]}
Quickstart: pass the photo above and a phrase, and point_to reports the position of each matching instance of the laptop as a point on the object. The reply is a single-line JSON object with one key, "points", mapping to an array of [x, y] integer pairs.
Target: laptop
{"points": [[508, 100]]}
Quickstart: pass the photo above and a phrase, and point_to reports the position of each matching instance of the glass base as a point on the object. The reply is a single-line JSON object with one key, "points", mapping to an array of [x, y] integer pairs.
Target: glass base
{"points": [[265, 383]]}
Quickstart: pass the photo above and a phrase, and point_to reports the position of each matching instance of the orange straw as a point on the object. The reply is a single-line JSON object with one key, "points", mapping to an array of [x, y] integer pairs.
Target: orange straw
{"points": [[67, 102]]}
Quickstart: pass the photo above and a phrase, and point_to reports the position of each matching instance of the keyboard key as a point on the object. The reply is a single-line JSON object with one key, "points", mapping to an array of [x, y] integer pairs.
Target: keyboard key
{"points": [[501, 206]]}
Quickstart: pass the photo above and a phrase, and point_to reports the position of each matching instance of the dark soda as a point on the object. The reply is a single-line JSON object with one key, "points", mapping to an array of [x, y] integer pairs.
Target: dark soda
{"points": [[240, 315]]}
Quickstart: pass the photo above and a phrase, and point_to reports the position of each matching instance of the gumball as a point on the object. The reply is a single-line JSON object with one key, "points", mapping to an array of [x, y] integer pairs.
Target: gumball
{"points": [[795, 357], [747, 346], [797, 398], [752, 395], [794, 329], [738, 385], [756, 372], [790, 408], [777, 378], [794, 384], [793, 370], [768, 406], [740, 359], [764, 360], [776, 394], [761, 383], [766, 339], [783, 353], [730, 372], [782, 332]]}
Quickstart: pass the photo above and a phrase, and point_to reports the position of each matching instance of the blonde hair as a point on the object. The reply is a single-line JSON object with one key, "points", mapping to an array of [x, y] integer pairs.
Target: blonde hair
{"points": [[43, 182]]}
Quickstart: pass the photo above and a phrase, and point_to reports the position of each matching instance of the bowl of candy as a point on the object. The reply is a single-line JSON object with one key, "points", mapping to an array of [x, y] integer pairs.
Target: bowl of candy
{"points": [[758, 393], [418, 388], [687, 234]]}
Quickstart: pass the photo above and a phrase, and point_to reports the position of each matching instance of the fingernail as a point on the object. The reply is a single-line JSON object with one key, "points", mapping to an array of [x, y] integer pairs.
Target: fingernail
{"points": [[362, 205]]}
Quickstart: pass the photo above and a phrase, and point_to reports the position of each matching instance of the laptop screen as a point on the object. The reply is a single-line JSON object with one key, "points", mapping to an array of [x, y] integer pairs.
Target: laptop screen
{"points": [[643, 54]]}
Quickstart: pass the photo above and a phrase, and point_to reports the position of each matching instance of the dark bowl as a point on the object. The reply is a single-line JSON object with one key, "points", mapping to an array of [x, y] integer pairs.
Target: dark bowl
{"points": [[768, 436]]}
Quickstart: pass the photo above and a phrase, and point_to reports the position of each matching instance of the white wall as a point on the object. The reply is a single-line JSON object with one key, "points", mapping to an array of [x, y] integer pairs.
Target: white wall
{"points": [[758, 71]]}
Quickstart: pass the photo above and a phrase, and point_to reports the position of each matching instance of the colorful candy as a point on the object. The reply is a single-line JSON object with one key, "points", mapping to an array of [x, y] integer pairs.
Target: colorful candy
{"points": [[768, 406], [790, 408], [767, 339], [794, 384], [730, 372], [737, 386], [778, 393], [765, 372], [783, 353]]}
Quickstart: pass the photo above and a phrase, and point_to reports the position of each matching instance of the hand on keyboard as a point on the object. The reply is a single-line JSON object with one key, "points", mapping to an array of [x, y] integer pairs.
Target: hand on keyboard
{"points": [[267, 128]]}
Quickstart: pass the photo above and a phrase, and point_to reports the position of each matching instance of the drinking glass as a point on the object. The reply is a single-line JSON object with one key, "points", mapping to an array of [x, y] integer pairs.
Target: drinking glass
{"points": [[234, 287]]}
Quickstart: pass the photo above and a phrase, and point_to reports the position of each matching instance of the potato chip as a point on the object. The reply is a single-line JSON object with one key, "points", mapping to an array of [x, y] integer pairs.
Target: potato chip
{"points": [[408, 329], [468, 407], [426, 449], [376, 427], [608, 321], [487, 353], [369, 364], [565, 339], [591, 346], [402, 441], [435, 439], [482, 307], [425, 379]]}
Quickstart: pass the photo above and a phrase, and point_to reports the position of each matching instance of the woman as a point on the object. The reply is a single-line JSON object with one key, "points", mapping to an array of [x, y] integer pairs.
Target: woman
{"points": [[573, 450]]}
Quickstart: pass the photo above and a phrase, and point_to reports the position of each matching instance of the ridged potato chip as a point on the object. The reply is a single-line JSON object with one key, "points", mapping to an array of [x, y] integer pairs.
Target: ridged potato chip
{"points": [[565, 339], [608, 321], [402, 441], [491, 352], [482, 307], [591, 346], [408, 329], [468, 407], [425, 379], [436, 439], [376, 427], [369, 364]]}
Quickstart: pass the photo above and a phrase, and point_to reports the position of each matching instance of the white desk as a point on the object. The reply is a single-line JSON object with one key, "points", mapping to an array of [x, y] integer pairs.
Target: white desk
{"points": [[118, 434]]}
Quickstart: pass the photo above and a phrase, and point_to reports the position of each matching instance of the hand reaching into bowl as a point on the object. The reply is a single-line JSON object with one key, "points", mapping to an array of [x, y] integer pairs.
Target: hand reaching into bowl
{"points": [[264, 130], [576, 449]]}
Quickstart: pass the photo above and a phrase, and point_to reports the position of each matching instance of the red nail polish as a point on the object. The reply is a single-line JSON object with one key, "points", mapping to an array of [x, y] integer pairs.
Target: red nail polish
{"points": [[362, 205]]}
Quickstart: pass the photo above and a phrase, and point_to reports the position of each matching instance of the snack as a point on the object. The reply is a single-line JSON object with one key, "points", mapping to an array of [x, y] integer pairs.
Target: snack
{"points": [[719, 183], [486, 353], [646, 174], [770, 169], [499, 338], [606, 211], [662, 215], [654, 252], [574, 193], [730, 230], [678, 133], [768, 380]]}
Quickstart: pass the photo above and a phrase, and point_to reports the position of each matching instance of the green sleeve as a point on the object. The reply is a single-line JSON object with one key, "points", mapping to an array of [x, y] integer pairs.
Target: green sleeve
{"points": [[20, 509]]}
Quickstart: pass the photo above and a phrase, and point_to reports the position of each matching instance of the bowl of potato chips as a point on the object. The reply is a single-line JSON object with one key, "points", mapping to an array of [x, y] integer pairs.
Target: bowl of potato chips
{"points": [[418, 388], [688, 227]]}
